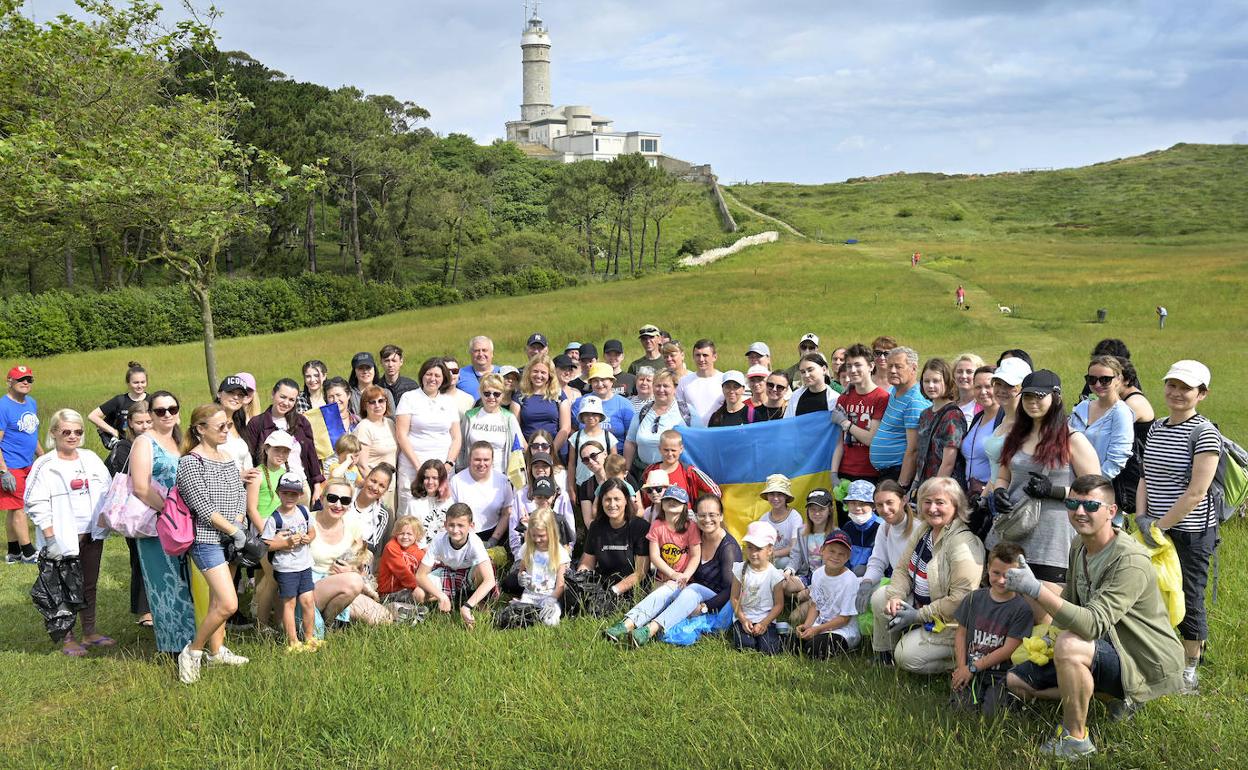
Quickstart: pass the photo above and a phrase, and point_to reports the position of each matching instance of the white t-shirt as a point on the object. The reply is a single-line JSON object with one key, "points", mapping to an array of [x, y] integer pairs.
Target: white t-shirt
{"points": [[487, 499], [432, 514], [835, 596], [703, 394], [430, 429], [544, 578], [442, 554], [787, 531], [236, 447], [494, 428], [756, 589]]}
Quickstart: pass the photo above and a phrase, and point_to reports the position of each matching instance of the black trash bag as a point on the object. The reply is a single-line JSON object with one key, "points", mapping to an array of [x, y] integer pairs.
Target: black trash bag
{"points": [[517, 614], [57, 594], [253, 551], [585, 594]]}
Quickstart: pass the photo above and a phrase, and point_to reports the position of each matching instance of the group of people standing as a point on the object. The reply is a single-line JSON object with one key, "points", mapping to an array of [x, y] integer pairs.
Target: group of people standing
{"points": [[378, 496]]}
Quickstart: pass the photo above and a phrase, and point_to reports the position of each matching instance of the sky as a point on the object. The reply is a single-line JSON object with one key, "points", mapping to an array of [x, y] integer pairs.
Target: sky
{"points": [[804, 91]]}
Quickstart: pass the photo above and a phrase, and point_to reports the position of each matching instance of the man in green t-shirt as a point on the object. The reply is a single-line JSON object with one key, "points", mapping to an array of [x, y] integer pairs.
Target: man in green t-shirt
{"points": [[648, 335]]}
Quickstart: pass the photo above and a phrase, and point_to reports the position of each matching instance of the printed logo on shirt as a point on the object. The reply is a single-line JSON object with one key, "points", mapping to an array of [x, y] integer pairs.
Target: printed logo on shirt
{"points": [[28, 423], [671, 553]]}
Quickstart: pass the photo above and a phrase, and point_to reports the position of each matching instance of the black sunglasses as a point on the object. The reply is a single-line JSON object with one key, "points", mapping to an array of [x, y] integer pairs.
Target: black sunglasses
{"points": [[1103, 381], [343, 499], [776, 386], [880, 353], [591, 456], [1091, 506], [165, 411], [491, 394], [27, 380]]}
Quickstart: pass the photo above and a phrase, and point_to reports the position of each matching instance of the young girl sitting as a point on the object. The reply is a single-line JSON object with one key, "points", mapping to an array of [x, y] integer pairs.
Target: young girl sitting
{"points": [[861, 523], [786, 522], [287, 532], [829, 626], [757, 593], [890, 540], [343, 465], [396, 572], [807, 553], [542, 564]]}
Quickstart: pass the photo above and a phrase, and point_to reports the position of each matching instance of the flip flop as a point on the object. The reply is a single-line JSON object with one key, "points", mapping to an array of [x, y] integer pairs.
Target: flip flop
{"points": [[74, 652], [147, 623], [103, 641]]}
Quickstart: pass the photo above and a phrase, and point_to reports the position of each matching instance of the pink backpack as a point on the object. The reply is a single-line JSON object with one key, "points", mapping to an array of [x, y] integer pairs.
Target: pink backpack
{"points": [[175, 526]]}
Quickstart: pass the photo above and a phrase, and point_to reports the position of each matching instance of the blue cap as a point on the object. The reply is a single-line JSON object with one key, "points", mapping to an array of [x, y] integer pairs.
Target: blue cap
{"points": [[676, 493], [862, 491]]}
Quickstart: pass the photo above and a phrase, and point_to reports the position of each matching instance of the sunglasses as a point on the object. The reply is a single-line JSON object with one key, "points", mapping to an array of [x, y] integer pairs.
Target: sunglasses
{"points": [[880, 353], [70, 432], [376, 401], [1091, 506], [27, 380], [1103, 381], [221, 426], [808, 347], [776, 386], [453, 369], [540, 444], [166, 411], [591, 457], [491, 394], [338, 499]]}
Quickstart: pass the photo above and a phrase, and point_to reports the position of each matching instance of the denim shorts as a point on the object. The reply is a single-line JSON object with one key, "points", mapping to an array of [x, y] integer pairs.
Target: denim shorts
{"points": [[207, 555], [1106, 672], [292, 584]]}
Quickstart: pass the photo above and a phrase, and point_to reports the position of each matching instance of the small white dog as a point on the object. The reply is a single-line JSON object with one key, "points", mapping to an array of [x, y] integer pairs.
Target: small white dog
{"points": [[1003, 310]]}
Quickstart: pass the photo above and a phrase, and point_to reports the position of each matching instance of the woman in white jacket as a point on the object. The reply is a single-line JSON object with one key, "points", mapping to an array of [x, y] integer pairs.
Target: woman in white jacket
{"points": [[63, 493]]}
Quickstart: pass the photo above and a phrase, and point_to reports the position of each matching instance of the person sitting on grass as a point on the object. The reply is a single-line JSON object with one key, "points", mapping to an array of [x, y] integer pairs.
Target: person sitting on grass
{"points": [[862, 525], [616, 548], [400, 559], [757, 593], [992, 623], [786, 522], [830, 626], [675, 550], [287, 532], [543, 562], [1118, 643], [890, 540], [456, 570]]}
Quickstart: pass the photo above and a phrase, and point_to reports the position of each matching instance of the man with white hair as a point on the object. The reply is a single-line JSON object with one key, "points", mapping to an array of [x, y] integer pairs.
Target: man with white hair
{"points": [[481, 352], [895, 446]]}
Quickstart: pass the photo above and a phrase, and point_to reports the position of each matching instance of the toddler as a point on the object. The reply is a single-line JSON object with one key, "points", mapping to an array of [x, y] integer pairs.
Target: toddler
{"points": [[343, 465], [287, 533], [396, 573]]}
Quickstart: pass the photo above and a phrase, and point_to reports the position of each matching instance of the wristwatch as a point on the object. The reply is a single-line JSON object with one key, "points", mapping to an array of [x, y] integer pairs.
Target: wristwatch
{"points": [[973, 668]]}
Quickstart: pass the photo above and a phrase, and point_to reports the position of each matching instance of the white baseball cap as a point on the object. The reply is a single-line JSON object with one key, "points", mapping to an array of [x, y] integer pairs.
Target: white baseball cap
{"points": [[1193, 373], [732, 375], [1012, 371], [758, 347], [280, 438]]}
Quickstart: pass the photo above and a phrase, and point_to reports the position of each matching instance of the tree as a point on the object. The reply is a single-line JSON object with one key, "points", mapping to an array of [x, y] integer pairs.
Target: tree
{"points": [[580, 197]]}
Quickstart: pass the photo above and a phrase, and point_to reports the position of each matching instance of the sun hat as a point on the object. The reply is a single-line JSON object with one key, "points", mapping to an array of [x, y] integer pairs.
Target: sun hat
{"points": [[601, 371], [592, 405], [778, 482], [861, 490], [760, 534], [1042, 382], [280, 438], [757, 370], [1012, 371], [758, 347], [674, 492], [656, 478], [1192, 373], [732, 375]]}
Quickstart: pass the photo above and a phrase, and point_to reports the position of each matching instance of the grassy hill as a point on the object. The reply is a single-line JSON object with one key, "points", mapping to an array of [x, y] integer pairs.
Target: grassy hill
{"points": [[1187, 190]]}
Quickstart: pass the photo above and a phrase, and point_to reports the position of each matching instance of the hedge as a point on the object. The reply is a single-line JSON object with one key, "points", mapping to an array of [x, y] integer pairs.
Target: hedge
{"points": [[60, 322]]}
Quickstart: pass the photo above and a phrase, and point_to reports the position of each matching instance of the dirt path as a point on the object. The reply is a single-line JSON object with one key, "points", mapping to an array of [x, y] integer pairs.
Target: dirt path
{"points": [[728, 196]]}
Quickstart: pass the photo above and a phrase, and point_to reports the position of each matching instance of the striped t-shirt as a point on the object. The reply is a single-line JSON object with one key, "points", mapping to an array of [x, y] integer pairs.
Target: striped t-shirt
{"points": [[918, 571], [888, 448], [1167, 465]]}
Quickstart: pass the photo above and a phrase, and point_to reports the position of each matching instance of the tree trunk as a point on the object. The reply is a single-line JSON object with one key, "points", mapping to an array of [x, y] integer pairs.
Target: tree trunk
{"points": [[309, 233], [459, 247], [106, 265], [658, 229], [229, 261], [355, 226], [203, 296], [641, 255], [30, 275], [69, 266], [589, 245]]}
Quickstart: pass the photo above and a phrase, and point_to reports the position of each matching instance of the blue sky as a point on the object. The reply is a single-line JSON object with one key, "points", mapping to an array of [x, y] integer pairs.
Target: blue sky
{"points": [[796, 90]]}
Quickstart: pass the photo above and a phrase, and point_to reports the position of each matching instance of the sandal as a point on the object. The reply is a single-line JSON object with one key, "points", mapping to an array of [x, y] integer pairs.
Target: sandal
{"points": [[77, 651], [99, 641], [144, 623]]}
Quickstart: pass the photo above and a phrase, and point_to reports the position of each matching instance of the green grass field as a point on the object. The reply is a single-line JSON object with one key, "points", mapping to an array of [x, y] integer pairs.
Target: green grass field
{"points": [[437, 696]]}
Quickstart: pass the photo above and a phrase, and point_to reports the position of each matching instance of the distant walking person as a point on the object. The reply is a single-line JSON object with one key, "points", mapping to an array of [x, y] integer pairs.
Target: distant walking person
{"points": [[1161, 316], [961, 294]]}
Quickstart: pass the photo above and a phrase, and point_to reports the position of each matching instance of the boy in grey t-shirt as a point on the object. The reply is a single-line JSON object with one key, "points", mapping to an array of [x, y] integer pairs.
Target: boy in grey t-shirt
{"points": [[287, 533]]}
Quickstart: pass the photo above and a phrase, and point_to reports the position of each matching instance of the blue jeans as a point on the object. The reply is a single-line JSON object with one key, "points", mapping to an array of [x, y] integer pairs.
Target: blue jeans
{"points": [[767, 644], [207, 555], [668, 605]]}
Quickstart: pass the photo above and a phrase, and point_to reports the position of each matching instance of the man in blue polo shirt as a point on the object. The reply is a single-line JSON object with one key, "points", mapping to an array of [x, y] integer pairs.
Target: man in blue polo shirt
{"points": [[481, 352], [19, 446], [896, 443]]}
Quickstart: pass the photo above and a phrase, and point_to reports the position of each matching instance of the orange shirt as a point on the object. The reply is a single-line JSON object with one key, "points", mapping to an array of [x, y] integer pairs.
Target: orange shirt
{"points": [[397, 569]]}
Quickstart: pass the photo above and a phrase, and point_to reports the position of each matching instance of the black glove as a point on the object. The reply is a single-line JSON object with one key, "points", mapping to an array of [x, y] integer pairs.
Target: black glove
{"points": [[1000, 503], [1040, 487]]}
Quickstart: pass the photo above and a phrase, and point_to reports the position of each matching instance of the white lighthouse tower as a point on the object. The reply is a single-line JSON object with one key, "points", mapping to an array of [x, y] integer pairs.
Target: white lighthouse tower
{"points": [[535, 48]]}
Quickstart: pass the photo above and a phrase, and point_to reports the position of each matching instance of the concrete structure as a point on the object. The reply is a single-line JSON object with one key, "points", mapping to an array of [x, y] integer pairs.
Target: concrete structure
{"points": [[570, 132]]}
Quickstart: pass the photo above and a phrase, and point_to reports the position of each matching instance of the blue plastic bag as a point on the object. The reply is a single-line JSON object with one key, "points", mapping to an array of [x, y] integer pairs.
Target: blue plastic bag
{"points": [[687, 631]]}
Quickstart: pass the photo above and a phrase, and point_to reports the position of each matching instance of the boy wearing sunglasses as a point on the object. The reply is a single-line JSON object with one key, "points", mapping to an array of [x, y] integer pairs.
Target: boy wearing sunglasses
{"points": [[19, 446], [1119, 643]]}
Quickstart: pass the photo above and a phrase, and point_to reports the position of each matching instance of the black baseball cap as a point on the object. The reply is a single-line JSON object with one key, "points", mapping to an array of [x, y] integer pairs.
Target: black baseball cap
{"points": [[612, 346], [363, 359], [544, 487], [1042, 381], [564, 361], [819, 496], [588, 351], [233, 382], [537, 338]]}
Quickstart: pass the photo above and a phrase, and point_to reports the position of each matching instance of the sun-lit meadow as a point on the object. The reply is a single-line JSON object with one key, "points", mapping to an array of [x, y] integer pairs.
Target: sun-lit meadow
{"points": [[437, 696]]}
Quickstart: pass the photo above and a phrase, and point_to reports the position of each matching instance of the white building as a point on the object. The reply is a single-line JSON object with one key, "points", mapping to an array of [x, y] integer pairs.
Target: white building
{"points": [[569, 132]]}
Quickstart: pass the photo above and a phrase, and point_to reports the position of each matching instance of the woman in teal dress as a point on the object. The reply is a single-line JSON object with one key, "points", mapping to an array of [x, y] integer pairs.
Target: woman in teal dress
{"points": [[153, 469]]}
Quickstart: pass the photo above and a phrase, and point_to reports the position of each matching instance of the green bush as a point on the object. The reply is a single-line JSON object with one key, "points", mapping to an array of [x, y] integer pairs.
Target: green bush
{"points": [[60, 322]]}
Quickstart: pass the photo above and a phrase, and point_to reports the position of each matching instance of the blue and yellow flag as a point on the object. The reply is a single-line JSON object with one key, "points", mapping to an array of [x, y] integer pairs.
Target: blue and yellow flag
{"points": [[740, 459]]}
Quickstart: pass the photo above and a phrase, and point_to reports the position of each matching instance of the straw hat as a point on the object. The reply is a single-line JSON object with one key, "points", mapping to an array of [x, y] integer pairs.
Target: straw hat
{"points": [[778, 482]]}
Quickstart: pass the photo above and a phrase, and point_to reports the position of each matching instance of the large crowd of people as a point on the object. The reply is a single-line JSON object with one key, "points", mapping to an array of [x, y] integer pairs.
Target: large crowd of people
{"points": [[969, 506]]}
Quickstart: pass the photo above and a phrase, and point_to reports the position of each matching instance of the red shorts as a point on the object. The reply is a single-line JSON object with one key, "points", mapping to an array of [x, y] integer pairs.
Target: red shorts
{"points": [[12, 501]]}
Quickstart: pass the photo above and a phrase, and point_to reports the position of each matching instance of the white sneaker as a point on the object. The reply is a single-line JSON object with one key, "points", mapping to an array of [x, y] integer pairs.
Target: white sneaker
{"points": [[1191, 683], [225, 658], [188, 664]]}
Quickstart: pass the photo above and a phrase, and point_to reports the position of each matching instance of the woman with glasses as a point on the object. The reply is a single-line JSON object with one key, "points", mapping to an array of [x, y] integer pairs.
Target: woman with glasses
{"points": [[543, 407], [775, 397], [1106, 420], [337, 554], [153, 471], [1041, 456], [426, 425], [880, 348], [283, 414], [491, 423], [641, 447], [706, 592], [232, 398], [376, 436], [63, 492], [211, 487]]}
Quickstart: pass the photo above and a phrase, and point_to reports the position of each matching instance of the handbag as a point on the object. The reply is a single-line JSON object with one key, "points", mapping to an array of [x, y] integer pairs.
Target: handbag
{"points": [[175, 526], [1020, 521], [122, 512]]}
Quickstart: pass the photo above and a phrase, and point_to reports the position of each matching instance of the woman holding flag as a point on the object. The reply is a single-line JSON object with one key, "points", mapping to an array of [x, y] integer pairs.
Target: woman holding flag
{"points": [[331, 421]]}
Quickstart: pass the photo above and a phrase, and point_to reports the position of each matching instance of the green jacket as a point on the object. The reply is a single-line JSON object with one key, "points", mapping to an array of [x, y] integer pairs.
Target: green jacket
{"points": [[1113, 595]]}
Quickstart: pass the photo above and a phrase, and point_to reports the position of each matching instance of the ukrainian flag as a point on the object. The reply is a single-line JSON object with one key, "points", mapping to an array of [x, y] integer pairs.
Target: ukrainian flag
{"points": [[740, 458]]}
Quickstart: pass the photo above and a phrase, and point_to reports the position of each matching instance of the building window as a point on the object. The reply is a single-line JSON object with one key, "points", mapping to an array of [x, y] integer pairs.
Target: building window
{"points": [[649, 145], [596, 145]]}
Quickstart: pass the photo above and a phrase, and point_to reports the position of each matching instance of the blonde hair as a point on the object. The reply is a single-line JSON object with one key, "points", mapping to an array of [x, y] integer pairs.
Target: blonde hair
{"points": [[347, 443], [408, 521], [494, 381], [614, 465], [542, 520], [551, 391], [947, 485], [975, 360], [54, 424]]}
